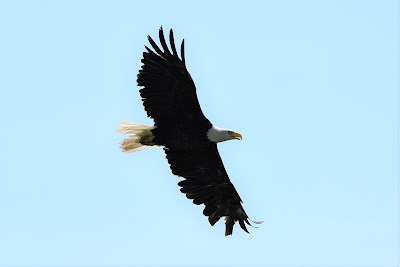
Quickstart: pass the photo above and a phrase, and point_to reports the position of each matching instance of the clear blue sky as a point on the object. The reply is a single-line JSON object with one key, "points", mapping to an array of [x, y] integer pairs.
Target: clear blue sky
{"points": [[311, 85]]}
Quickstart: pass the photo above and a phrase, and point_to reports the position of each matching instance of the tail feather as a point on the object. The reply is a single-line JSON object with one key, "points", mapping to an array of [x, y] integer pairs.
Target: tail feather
{"points": [[135, 132]]}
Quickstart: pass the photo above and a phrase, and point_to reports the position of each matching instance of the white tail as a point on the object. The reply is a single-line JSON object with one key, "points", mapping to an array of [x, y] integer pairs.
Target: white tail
{"points": [[135, 131]]}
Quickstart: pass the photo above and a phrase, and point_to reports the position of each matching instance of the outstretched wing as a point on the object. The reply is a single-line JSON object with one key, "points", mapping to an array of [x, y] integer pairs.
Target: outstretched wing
{"points": [[206, 182], [169, 91]]}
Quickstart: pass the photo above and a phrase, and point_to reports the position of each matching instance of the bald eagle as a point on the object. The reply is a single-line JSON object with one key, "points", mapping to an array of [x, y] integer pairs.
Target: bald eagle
{"points": [[188, 137]]}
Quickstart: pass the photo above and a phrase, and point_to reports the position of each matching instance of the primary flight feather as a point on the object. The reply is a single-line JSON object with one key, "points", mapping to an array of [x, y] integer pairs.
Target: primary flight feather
{"points": [[188, 137]]}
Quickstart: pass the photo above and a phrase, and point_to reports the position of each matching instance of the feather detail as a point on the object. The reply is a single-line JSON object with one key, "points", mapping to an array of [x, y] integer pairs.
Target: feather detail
{"points": [[136, 133]]}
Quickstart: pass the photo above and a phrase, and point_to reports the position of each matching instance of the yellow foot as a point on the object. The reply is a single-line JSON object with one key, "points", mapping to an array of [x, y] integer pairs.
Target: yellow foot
{"points": [[147, 140]]}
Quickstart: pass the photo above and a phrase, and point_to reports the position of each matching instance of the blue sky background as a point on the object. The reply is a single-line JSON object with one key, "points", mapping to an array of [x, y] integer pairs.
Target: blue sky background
{"points": [[311, 85]]}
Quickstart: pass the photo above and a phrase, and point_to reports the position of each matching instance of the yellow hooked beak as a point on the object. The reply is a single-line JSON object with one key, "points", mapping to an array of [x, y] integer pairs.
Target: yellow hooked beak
{"points": [[237, 136]]}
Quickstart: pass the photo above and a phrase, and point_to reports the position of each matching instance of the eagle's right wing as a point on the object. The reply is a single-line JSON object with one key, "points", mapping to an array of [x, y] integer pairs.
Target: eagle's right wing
{"points": [[169, 91]]}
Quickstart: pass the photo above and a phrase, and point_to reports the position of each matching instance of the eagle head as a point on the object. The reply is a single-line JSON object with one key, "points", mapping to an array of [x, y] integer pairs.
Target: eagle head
{"points": [[216, 135]]}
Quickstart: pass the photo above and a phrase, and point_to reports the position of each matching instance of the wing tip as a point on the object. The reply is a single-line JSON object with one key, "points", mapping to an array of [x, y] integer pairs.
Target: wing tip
{"points": [[166, 53], [242, 218], [183, 51]]}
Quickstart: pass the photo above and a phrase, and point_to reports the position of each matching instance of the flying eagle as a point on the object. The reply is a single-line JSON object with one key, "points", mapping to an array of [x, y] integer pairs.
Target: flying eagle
{"points": [[188, 137]]}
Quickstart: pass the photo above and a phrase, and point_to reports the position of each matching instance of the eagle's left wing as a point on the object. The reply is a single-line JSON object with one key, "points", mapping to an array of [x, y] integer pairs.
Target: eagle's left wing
{"points": [[206, 182]]}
